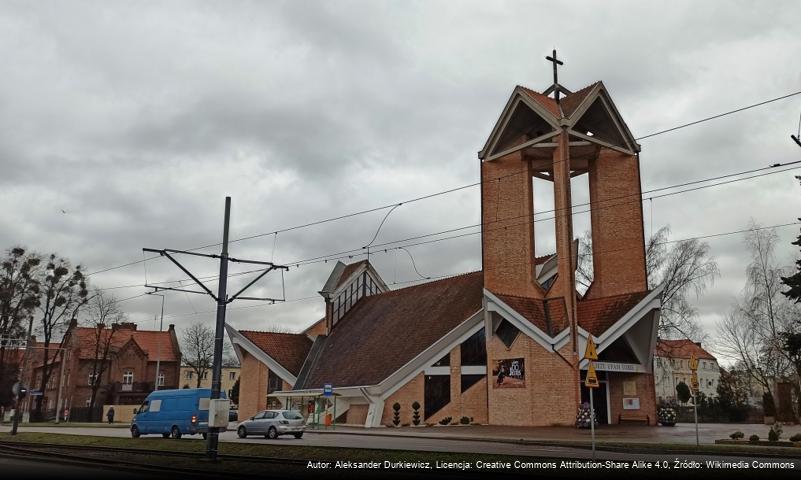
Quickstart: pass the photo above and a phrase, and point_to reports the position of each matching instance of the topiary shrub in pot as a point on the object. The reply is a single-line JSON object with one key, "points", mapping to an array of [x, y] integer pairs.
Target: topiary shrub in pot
{"points": [[416, 413], [583, 416], [446, 421], [753, 438], [396, 414], [796, 438], [464, 420], [775, 432], [666, 415], [737, 435]]}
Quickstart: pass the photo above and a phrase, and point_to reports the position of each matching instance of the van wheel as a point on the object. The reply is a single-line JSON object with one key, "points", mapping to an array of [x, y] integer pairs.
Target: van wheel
{"points": [[165, 435], [205, 436], [175, 432], [241, 432], [272, 433], [135, 432]]}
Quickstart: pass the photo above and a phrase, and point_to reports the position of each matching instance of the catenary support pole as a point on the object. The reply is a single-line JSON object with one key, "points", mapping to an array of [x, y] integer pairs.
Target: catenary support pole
{"points": [[695, 410], [222, 301]]}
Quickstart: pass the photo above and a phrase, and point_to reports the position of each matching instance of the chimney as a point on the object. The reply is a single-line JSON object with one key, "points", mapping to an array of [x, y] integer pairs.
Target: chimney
{"points": [[73, 323], [124, 326], [171, 327]]}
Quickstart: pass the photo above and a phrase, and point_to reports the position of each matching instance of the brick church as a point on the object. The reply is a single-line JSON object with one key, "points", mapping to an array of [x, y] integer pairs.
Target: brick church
{"points": [[503, 345]]}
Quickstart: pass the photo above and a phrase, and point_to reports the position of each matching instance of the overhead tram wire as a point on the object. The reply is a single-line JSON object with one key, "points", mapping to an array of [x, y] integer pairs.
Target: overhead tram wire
{"points": [[360, 251], [439, 277], [443, 192]]}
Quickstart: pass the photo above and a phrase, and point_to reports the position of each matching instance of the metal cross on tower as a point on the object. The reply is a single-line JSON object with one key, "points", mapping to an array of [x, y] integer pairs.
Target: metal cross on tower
{"points": [[556, 62]]}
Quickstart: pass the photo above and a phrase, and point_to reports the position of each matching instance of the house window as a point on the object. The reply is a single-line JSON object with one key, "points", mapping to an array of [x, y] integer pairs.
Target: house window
{"points": [[161, 379], [473, 350], [274, 383], [507, 333], [231, 375], [92, 377], [188, 374], [127, 377], [205, 375], [437, 393]]}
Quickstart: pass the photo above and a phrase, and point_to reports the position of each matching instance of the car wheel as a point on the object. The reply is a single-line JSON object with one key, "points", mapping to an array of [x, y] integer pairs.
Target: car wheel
{"points": [[272, 433], [175, 432], [298, 435], [165, 435], [241, 432], [135, 432]]}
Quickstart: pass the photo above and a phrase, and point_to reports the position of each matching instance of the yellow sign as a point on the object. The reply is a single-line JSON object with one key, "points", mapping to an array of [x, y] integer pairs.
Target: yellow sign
{"points": [[693, 363], [694, 381], [591, 381], [589, 352]]}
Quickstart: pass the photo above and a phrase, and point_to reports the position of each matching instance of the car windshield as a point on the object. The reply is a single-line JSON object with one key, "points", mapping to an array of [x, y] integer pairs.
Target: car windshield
{"points": [[292, 416]]}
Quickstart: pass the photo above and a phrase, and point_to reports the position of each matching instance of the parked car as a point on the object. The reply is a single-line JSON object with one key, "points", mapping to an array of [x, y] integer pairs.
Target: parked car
{"points": [[173, 413], [273, 423]]}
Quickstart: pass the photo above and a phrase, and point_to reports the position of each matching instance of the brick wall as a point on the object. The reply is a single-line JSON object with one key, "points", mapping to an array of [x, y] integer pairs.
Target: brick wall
{"points": [[551, 385], [357, 414], [508, 239], [645, 392], [406, 395], [617, 228], [252, 386]]}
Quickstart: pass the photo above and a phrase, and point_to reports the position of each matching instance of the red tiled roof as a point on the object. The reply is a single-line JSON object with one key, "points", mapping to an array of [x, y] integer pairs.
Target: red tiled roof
{"points": [[348, 271], [383, 332], [683, 348], [549, 315], [547, 102], [571, 102], [152, 342], [288, 349], [598, 314]]}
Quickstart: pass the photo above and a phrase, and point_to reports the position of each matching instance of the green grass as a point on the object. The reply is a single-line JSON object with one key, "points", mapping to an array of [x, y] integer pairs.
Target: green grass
{"points": [[294, 451], [289, 451]]}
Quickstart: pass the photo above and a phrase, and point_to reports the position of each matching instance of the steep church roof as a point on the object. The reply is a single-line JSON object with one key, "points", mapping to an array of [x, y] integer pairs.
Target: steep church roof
{"points": [[383, 332], [288, 349]]}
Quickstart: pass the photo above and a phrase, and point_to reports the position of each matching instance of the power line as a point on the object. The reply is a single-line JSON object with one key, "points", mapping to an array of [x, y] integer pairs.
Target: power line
{"points": [[529, 219], [435, 194]]}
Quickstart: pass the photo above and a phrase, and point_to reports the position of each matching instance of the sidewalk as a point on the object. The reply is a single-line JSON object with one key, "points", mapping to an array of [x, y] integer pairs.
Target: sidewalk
{"points": [[683, 433]]}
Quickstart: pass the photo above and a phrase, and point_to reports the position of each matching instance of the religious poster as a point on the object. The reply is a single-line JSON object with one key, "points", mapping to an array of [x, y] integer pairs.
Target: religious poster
{"points": [[509, 373], [630, 388], [631, 403]]}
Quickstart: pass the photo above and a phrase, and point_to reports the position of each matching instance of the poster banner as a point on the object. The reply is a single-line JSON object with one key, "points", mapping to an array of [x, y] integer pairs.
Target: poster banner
{"points": [[509, 373]]}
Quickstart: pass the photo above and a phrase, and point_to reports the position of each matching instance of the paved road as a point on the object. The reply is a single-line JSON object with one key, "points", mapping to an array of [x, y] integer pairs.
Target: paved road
{"points": [[434, 444]]}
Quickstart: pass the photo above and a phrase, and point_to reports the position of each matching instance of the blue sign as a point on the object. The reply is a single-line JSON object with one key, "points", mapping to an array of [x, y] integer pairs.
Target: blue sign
{"points": [[328, 390]]}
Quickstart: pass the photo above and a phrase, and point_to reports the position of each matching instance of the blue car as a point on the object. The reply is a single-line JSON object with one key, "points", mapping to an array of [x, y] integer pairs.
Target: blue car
{"points": [[173, 413]]}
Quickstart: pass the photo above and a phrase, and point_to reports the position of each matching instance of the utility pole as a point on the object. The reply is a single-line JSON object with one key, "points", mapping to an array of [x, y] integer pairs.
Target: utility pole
{"points": [[222, 299], [18, 401], [158, 340]]}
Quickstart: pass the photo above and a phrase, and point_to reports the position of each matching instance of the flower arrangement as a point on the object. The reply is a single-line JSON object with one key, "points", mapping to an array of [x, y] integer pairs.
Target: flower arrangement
{"points": [[666, 415], [583, 416]]}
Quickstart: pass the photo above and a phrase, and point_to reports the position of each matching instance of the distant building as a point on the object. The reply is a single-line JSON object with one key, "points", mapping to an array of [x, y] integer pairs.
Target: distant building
{"points": [[129, 372], [672, 366], [229, 377]]}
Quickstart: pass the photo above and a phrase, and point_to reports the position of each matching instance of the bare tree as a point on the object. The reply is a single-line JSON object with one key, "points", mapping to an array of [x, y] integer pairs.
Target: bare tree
{"points": [[684, 268], [198, 349], [753, 333], [62, 293], [102, 311], [19, 292]]}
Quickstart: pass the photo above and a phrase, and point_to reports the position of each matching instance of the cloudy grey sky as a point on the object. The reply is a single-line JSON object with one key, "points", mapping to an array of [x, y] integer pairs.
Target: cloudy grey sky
{"points": [[137, 118]]}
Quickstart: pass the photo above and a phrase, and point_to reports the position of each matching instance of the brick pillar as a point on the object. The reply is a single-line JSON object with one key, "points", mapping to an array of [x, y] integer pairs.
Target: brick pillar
{"points": [[564, 230], [618, 244], [252, 386], [456, 381], [507, 233]]}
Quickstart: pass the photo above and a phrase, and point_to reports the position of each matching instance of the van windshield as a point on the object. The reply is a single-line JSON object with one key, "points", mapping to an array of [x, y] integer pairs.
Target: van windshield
{"points": [[292, 415]]}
